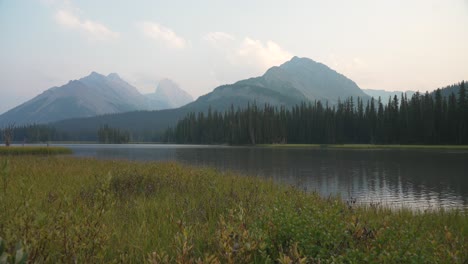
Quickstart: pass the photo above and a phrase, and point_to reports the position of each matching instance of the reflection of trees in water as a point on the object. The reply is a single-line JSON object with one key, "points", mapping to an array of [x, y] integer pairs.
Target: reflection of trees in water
{"points": [[390, 177], [419, 178]]}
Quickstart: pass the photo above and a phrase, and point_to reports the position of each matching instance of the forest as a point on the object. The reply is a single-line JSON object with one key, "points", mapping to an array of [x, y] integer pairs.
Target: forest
{"points": [[33, 133], [429, 118], [439, 118], [109, 135]]}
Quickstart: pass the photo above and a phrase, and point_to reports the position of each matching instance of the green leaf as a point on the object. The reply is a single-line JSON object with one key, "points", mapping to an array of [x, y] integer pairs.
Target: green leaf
{"points": [[2, 246], [21, 256]]}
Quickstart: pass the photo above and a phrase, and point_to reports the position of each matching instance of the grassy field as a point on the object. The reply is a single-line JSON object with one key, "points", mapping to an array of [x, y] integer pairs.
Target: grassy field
{"points": [[33, 150], [364, 146], [63, 210]]}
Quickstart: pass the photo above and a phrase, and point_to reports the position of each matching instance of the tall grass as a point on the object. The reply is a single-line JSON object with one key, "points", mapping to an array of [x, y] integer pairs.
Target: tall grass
{"points": [[64, 209], [33, 150]]}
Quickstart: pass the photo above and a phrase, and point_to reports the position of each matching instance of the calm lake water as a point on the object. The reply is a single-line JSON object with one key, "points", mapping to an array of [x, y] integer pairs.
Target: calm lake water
{"points": [[418, 179]]}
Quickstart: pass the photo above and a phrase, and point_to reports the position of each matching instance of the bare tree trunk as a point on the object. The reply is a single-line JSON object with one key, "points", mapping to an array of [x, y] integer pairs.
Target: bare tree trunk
{"points": [[8, 134]]}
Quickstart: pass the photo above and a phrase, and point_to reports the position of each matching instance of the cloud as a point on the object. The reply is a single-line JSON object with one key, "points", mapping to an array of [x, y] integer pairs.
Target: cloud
{"points": [[233, 58], [263, 55], [248, 51], [91, 29], [158, 32]]}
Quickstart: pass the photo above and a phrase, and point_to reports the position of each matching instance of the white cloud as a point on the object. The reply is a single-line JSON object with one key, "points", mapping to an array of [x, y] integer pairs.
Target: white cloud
{"points": [[233, 58], [91, 29], [248, 51], [261, 54], [158, 32]]}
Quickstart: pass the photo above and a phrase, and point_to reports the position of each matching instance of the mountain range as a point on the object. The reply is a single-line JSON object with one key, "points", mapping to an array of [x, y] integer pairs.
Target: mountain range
{"points": [[94, 95], [84, 105], [295, 81], [168, 95]]}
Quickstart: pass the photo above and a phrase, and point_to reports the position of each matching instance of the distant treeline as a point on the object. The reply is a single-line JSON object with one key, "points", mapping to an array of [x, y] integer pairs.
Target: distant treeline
{"points": [[35, 133], [109, 135], [422, 119], [440, 117], [38, 133]]}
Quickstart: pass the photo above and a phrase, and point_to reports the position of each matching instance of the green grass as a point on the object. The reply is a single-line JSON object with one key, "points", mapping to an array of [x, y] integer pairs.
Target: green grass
{"points": [[364, 146], [64, 209], [28, 150]]}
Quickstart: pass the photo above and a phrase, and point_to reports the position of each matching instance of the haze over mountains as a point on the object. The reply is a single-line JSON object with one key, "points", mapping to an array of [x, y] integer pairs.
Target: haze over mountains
{"points": [[93, 95], [86, 104], [168, 95], [296, 81]]}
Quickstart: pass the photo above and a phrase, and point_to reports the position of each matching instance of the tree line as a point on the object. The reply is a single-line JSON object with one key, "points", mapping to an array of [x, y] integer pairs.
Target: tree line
{"points": [[33, 133], [109, 135], [429, 118], [39, 133]]}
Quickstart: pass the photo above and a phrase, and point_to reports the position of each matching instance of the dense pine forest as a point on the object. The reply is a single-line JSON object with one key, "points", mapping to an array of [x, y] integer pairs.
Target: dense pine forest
{"points": [[109, 135], [440, 117], [34, 133], [429, 118]]}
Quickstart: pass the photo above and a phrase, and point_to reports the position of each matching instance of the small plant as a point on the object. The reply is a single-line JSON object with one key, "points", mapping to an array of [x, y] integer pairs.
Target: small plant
{"points": [[292, 256], [8, 134], [5, 173], [69, 210], [18, 255]]}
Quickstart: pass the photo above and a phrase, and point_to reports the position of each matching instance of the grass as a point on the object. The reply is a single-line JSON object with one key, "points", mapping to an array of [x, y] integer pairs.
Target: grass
{"points": [[35, 150], [62, 209], [365, 146]]}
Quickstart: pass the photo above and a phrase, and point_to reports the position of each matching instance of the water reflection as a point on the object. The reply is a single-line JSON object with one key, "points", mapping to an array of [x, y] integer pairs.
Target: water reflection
{"points": [[412, 178]]}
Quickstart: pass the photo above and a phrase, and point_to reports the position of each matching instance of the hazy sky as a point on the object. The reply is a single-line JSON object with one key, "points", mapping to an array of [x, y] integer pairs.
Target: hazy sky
{"points": [[391, 45]]}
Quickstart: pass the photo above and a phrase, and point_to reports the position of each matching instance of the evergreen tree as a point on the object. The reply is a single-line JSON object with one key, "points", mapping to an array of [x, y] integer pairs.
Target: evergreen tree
{"points": [[423, 119]]}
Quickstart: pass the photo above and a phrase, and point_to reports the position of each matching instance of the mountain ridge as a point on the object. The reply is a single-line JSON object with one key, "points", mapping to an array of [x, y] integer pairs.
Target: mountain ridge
{"points": [[293, 82], [169, 93], [92, 95]]}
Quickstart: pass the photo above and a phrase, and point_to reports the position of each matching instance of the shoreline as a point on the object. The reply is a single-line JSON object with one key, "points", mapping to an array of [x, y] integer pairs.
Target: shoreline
{"points": [[365, 146], [134, 210], [292, 146]]}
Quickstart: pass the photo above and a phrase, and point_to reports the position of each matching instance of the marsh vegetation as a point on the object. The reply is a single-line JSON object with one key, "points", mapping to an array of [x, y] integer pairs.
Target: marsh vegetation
{"points": [[64, 209]]}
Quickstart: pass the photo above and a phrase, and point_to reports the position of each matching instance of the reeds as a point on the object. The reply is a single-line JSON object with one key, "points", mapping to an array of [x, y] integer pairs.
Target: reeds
{"points": [[65, 209], [33, 150]]}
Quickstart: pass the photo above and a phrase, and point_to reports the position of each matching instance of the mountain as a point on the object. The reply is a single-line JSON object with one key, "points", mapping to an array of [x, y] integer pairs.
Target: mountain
{"points": [[92, 95], [168, 94], [384, 95], [298, 80]]}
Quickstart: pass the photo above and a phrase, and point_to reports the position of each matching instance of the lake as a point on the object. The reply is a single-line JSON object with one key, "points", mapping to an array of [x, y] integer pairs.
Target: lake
{"points": [[417, 179]]}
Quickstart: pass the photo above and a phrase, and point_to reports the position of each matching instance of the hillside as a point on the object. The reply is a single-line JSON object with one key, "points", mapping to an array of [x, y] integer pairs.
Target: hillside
{"points": [[454, 88], [298, 80], [293, 82], [92, 95], [89, 96]]}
